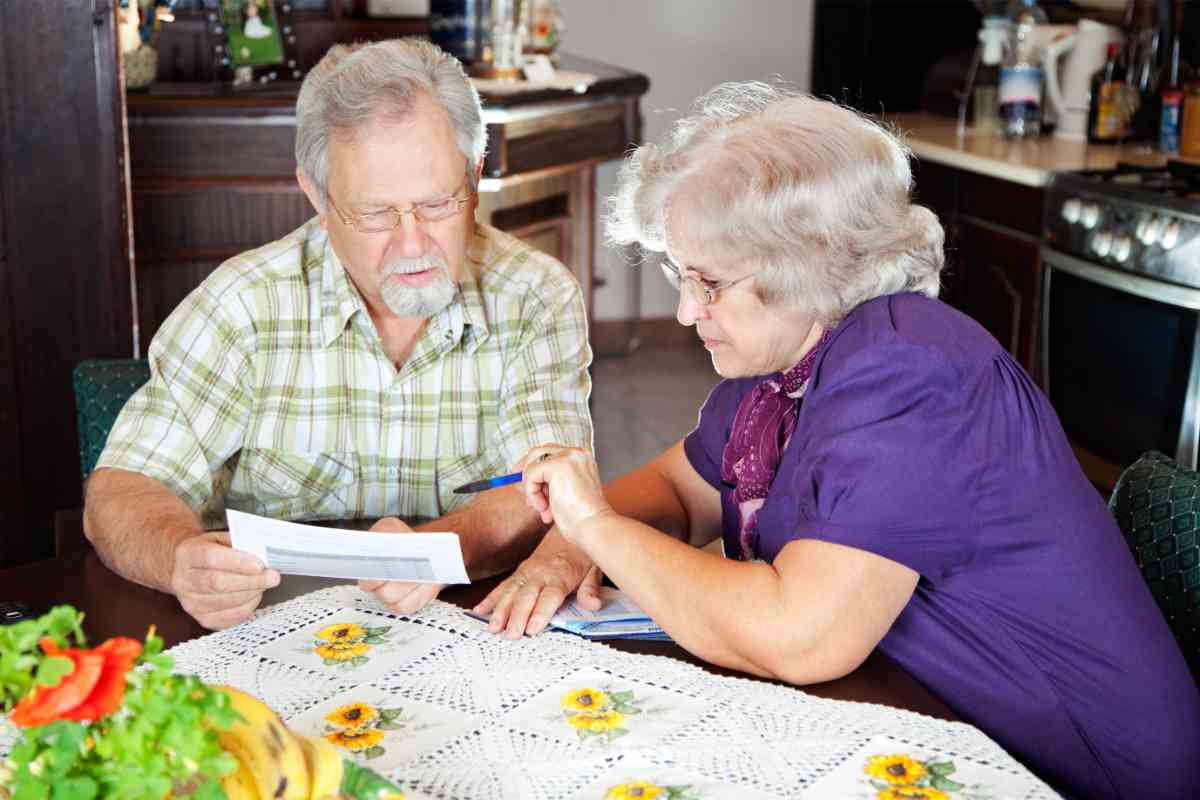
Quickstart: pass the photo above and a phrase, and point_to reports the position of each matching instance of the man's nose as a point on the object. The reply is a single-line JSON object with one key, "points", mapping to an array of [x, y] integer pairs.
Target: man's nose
{"points": [[690, 310], [408, 238]]}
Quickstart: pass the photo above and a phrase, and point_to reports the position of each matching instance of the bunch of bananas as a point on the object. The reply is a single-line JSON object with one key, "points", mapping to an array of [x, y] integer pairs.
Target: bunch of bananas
{"points": [[272, 761]]}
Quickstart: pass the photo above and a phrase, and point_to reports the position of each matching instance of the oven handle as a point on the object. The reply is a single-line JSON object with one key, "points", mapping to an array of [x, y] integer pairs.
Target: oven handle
{"points": [[1187, 449], [1151, 289]]}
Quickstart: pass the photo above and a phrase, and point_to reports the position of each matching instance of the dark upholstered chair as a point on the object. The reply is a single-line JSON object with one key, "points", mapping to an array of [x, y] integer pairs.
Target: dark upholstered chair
{"points": [[1157, 506], [101, 388]]}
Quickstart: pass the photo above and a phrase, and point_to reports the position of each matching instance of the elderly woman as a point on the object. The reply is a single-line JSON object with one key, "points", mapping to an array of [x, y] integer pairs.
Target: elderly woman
{"points": [[881, 472]]}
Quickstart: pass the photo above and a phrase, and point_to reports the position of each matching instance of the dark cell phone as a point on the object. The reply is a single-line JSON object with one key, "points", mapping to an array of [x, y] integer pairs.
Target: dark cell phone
{"points": [[14, 611]]}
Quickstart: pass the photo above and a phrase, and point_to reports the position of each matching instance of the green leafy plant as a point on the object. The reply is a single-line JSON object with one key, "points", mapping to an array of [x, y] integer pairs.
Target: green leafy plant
{"points": [[150, 733]]}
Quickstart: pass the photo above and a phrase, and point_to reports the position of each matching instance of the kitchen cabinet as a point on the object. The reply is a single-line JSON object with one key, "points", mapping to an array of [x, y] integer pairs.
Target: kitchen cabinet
{"points": [[993, 272], [215, 176]]}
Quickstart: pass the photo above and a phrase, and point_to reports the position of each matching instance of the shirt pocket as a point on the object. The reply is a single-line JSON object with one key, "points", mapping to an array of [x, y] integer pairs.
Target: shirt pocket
{"points": [[295, 485]]}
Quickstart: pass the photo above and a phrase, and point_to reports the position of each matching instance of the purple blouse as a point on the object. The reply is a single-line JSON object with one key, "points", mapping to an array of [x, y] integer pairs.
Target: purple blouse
{"points": [[921, 440]]}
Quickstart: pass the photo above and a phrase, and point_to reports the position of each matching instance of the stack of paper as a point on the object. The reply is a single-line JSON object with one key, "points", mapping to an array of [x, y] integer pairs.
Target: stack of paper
{"points": [[619, 618]]}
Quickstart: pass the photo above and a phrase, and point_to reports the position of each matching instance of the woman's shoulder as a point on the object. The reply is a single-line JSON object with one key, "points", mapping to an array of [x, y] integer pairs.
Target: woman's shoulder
{"points": [[920, 332]]}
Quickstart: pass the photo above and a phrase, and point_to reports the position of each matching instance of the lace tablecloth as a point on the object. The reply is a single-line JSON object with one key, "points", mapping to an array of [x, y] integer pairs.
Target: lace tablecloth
{"points": [[447, 710]]}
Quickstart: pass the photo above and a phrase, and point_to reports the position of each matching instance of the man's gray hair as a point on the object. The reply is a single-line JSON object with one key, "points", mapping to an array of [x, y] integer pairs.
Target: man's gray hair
{"points": [[357, 84], [813, 195]]}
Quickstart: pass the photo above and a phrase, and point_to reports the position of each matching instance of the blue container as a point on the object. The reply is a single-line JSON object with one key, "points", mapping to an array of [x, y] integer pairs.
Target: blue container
{"points": [[461, 27]]}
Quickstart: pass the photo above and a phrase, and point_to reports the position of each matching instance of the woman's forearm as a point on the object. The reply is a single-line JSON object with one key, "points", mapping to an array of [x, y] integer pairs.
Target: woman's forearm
{"points": [[719, 610]]}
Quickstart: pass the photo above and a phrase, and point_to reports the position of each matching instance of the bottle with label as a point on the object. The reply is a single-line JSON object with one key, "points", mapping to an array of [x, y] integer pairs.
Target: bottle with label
{"points": [[1189, 131], [1109, 111], [1171, 115], [1021, 75]]}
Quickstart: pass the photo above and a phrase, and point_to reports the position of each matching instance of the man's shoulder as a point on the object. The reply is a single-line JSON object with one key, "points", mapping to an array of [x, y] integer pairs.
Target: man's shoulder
{"points": [[279, 262], [512, 267]]}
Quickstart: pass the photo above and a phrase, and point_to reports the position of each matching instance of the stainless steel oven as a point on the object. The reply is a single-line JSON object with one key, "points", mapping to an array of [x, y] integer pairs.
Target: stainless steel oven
{"points": [[1120, 326]]}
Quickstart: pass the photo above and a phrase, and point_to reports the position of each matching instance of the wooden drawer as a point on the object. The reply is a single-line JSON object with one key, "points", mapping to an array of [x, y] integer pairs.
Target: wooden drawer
{"points": [[173, 219], [199, 146], [1012, 205]]}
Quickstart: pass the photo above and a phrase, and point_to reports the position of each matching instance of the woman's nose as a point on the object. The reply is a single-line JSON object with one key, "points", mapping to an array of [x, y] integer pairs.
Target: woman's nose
{"points": [[690, 310]]}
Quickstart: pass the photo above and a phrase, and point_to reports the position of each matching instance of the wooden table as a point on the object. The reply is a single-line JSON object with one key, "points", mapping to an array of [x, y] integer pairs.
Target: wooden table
{"points": [[114, 606]]}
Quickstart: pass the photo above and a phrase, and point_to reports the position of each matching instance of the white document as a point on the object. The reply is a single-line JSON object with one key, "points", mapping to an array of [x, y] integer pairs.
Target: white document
{"points": [[296, 549], [619, 618]]}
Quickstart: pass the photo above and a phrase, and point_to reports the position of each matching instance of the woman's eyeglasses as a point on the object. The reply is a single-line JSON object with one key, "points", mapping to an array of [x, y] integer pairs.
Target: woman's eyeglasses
{"points": [[389, 218], [704, 291]]}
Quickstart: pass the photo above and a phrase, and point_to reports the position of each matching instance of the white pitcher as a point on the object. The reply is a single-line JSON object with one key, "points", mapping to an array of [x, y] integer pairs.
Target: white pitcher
{"points": [[1081, 53]]}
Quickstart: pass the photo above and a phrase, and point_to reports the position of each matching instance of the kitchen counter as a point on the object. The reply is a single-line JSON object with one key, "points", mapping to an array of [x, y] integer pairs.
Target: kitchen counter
{"points": [[1026, 161]]}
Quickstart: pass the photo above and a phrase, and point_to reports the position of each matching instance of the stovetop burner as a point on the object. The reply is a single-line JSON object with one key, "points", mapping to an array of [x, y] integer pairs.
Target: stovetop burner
{"points": [[1178, 178]]}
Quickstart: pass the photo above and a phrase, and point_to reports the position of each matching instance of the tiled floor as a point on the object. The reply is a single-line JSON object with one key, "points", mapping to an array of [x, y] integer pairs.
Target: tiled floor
{"points": [[645, 402]]}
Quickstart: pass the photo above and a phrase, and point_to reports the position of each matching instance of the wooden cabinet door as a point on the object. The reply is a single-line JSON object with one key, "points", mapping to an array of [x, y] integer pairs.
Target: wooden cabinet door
{"points": [[936, 188], [65, 282], [999, 274]]}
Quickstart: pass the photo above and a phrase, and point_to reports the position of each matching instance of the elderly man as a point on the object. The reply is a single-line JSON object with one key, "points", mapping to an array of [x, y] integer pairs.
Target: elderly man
{"points": [[363, 366]]}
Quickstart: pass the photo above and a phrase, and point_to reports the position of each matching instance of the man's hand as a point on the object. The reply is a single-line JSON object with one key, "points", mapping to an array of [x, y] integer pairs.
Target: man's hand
{"points": [[216, 584], [527, 599], [399, 596]]}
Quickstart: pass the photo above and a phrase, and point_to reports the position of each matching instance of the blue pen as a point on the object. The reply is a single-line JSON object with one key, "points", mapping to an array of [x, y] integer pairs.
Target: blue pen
{"points": [[489, 483]]}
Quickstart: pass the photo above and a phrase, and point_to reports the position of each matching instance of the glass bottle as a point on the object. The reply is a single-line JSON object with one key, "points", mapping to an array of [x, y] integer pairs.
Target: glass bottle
{"points": [[985, 95], [1108, 110], [1171, 114], [1021, 75]]}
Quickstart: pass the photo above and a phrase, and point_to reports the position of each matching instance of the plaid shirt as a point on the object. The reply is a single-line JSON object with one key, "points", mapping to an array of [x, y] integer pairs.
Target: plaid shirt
{"points": [[270, 391]]}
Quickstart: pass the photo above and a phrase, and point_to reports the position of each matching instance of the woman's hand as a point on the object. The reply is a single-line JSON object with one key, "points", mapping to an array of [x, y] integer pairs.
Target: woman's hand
{"points": [[527, 599], [563, 485]]}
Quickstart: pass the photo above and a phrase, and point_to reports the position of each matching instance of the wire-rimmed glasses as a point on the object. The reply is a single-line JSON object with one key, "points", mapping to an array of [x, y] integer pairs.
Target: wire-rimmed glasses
{"points": [[389, 218], [704, 291]]}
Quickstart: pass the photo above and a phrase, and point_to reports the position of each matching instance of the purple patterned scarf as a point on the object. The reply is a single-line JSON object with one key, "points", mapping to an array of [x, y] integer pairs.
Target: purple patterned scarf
{"points": [[762, 428]]}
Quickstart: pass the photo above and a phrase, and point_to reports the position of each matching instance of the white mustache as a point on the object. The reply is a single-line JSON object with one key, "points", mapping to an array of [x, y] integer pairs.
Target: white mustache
{"points": [[408, 266]]}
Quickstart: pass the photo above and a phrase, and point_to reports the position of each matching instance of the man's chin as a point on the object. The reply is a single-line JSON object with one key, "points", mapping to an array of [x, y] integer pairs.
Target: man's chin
{"points": [[421, 302]]}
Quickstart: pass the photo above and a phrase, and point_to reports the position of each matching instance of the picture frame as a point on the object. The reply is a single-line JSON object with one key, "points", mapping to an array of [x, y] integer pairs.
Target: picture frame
{"points": [[255, 43]]}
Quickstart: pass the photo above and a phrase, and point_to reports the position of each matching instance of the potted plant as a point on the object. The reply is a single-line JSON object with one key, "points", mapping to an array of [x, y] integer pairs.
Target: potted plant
{"points": [[116, 721]]}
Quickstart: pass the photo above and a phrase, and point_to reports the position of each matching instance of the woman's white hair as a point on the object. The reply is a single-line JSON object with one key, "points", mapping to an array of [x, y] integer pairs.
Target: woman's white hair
{"points": [[354, 85], [814, 195]]}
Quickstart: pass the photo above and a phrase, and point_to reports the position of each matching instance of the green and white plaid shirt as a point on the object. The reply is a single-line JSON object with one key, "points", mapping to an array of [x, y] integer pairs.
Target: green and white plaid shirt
{"points": [[270, 391]]}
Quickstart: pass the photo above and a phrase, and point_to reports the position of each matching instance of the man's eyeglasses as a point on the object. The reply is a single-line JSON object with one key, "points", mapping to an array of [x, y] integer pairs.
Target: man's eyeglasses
{"points": [[389, 218], [704, 291]]}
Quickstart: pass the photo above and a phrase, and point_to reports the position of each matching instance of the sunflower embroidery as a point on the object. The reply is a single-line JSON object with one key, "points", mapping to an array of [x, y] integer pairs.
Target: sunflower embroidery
{"points": [[585, 700], [897, 770], [356, 739], [913, 793], [342, 632], [352, 715], [597, 721], [897, 776], [337, 653], [360, 727], [346, 644], [598, 714], [644, 790]]}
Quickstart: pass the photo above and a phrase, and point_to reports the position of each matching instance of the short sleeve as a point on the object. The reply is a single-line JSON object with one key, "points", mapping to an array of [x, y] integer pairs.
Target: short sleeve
{"points": [[889, 461], [705, 445], [189, 419], [546, 387]]}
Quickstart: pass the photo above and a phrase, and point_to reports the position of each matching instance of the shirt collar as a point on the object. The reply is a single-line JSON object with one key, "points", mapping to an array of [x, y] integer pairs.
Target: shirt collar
{"points": [[463, 321], [340, 301]]}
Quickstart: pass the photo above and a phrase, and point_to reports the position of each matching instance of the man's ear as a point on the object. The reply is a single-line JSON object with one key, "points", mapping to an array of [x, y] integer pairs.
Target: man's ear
{"points": [[315, 198]]}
